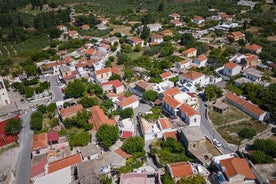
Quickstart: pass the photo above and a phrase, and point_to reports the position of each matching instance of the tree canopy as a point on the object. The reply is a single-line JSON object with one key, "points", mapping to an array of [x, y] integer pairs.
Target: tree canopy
{"points": [[75, 89], [133, 144], [150, 95], [127, 113], [87, 102], [13, 127], [212, 92], [108, 135]]}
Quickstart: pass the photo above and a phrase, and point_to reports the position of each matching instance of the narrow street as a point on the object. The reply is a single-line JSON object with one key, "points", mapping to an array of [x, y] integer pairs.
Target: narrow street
{"points": [[57, 94], [209, 131], [23, 165]]}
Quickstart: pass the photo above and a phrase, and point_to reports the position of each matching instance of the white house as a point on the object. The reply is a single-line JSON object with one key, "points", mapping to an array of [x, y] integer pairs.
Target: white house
{"points": [[170, 104], [154, 27], [253, 74], [164, 125], [200, 61], [254, 48], [187, 98], [150, 130], [127, 102], [102, 74], [174, 16], [191, 52], [133, 41], [231, 69], [176, 23], [189, 115], [198, 20], [126, 128], [114, 86], [193, 77], [156, 39], [90, 152], [184, 64]]}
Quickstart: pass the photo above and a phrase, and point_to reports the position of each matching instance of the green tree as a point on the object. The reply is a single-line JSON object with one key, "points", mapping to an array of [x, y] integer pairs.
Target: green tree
{"points": [[127, 113], [133, 145], [108, 135], [212, 92], [75, 89], [36, 120], [187, 39], [198, 179], [79, 139], [87, 102], [268, 146], [13, 127], [172, 145], [167, 179], [128, 74], [29, 92], [106, 105], [150, 95], [105, 179], [145, 33], [31, 70], [259, 157], [161, 7], [51, 109], [248, 133], [115, 77]]}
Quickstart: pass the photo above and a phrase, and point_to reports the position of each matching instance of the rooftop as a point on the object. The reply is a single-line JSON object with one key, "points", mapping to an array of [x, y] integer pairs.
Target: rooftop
{"points": [[171, 101], [253, 47], [165, 74], [104, 70], [139, 178], [98, 118], [192, 133], [89, 150], [115, 83], [62, 176], [63, 163], [189, 50], [172, 91], [122, 153], [39, 140], [188, 110], [127, 101], [180, 169], [165, 123], [172, 134], [230, 65], [52, 136], [192, 75], [70, 110]]}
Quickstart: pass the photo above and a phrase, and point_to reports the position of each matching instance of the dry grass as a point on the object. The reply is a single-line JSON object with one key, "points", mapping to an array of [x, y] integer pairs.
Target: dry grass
{"points": [[121, 29], [253, 29], [271, 38]]}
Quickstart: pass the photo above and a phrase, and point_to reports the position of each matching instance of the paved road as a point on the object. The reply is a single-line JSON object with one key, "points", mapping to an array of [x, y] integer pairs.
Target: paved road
{"points": [[23, 165], [57, 94], [210, 132]]}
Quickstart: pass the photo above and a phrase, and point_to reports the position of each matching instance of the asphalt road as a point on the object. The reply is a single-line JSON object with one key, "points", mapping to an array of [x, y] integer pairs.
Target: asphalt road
{"points": [[56, 90], [209, 131], [23, 165]]}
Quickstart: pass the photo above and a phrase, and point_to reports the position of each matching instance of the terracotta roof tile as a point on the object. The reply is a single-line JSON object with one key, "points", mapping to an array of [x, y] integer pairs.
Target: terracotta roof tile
{"points": [[39, 141], [63, 163], [115, 83], [104, 70], [172, 134], [171, 101], [180, 169], [198, 18], [172, 91], [201, 58], [184, 62], [98, 118], [188, 110], [235, 166], [116, 70], [253, 47], [175, 21], [245, 104], [230, 65], [166, 32], [189, 50], [142, 84], [237, 33], [70, 110], [126, 134], [52, 136], [165, 123], [165, 75], [38, 168], [90, 51], [127, 101], [135, 39], [156, 36], [192, 75], [122, 153]]}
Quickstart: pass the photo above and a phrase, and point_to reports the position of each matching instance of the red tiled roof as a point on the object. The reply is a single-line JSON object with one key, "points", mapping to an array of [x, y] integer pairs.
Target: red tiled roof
{"points": [[142, 84], [172, 134], [171, 101], [251, 57], [52, 136], [63, 163], [180, 169], [172, 91], [156, 36], [98, 118], [192, 75], [70, 110], [122, 153], [198, 18], [127, 101], [235, 166], [188, 110], [230, 65], [175, 21], [90, 51], [72, 76], [245, 104], [116, 70], [104, 70], [39, 141], [237, 33], [52, 64], [135, 39], [165, 74], [183, 61], [166, 32], [253, 47], [126, 134], [8, 138], [201, 58], [38, 168], [165, 123], [174, 15], [116, 83], [189, 50]]}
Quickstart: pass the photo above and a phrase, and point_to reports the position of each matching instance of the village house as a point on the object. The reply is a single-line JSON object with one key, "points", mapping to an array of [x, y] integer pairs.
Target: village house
{"points": [[150, 130], [247, 107], [90, 52], [39, 142], [253, 74], [170, 105], [166, 75], [198, 20], [166, 32], [154, 27], [85, 27], [164, 124], [200, 61], [254, 48], [126, 128], [156, 39], [144, 177], [89, 152], [103, 20], [62, 28], [193, 77], [127, 102], [237, 35], [180, 170], [176, 23], [73, 34], [98, 118], [143, 86], [187, 98], [114, 86], [69, 111], [189, 115], [68, 73], [233, 170], [52, 138], [63, 163], [250, 60], [191, 52], [174, 16], [171, 92], [102, 74], [133, 41], [182, 65], [171, 134], [231, 69], [47, 67]]}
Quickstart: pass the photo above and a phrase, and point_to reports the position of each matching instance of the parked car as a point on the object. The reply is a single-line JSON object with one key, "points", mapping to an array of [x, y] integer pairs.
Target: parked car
{"points": [[216, 142]]}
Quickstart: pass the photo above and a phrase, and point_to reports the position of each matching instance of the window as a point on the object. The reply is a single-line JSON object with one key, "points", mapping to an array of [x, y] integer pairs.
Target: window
{"points": [[194, 145]]}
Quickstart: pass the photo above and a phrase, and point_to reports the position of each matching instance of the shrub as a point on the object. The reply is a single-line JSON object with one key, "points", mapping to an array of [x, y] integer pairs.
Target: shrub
{"points": [[247, 133]]}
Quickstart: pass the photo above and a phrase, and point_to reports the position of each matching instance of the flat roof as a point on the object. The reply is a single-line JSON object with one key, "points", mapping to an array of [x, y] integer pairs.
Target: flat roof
{"points": [[63, 176]]}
